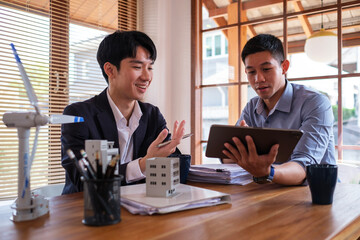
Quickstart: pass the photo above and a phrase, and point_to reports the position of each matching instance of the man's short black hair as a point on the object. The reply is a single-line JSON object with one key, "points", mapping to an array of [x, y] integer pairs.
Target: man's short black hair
{"points": [[123, 44], [264, 42]]}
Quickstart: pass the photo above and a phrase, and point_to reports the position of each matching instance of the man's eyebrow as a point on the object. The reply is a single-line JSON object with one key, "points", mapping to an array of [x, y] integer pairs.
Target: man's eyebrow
{"points": [[136, 61], [266, 63], [262, 64], [140, 62]]}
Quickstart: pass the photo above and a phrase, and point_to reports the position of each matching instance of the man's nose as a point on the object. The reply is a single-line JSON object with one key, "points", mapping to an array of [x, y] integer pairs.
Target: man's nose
{"points": [[259, 77], [146, 74]]}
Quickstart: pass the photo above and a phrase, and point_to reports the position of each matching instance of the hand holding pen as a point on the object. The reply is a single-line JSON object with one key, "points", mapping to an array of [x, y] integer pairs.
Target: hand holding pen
{"points": [[169, 141], [167, 149]]}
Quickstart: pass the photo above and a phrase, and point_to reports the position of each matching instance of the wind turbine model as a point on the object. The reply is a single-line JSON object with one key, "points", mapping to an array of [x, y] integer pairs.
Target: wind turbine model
{"points": [[26, 206]]}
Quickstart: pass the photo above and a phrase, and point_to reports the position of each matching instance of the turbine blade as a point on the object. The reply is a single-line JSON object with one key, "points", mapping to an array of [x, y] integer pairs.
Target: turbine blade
{"points": [[29, 89], [56, 119]]}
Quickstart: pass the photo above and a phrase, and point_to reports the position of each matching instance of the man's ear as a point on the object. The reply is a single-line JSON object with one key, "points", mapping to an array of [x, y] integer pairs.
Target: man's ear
{"points": [[110, 70], [285, 66]]}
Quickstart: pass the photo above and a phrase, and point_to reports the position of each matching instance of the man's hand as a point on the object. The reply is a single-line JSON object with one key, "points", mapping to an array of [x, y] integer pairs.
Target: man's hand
{"points": [[257, 165], [228, 160], [164, 151], [243, 123]]}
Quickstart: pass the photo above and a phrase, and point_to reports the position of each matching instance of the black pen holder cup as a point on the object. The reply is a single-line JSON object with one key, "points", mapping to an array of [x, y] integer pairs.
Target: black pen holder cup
{"points": [[322, 180], [185, 162], [101, 201]]}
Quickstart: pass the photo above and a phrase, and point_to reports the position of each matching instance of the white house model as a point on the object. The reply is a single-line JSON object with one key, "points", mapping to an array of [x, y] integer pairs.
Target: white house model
{"points": [[162, 176]]}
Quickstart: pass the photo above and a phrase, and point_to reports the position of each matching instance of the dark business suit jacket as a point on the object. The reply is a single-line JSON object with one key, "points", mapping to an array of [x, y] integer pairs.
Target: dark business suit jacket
{"points": [[99, 123]]}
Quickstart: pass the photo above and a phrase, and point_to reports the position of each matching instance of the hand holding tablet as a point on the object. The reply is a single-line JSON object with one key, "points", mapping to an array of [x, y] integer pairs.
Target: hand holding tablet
{"points": [[264, 139]]}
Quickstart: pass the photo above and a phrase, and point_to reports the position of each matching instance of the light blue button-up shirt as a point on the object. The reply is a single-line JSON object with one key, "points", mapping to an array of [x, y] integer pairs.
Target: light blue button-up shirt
{"points": [[302, 108]]}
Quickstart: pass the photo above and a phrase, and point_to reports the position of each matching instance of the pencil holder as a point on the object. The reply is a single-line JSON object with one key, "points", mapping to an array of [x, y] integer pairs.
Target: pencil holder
{"points": [[101, 201]]}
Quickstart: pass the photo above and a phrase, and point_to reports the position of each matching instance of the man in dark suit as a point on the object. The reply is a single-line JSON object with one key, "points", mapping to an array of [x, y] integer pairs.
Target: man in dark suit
{"points": [[136, 128]]}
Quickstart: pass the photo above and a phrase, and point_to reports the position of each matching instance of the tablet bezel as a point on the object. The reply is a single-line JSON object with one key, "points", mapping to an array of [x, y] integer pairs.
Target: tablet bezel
{"points": [[264, 139]]}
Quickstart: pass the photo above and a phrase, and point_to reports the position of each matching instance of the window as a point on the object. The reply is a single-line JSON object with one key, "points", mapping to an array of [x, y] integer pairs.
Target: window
{"points": [[220, 86], [208, 47], [57, 43], [217, 45]]}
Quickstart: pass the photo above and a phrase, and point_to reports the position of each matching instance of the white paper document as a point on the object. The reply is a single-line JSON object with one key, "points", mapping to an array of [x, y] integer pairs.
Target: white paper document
{"points": [[134, 199], [219, 173]]}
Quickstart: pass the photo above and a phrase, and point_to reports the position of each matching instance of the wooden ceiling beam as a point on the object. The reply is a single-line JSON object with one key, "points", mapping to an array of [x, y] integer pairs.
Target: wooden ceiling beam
{"points": [[258, 3], [220, 21], [303, 19], [220, 12]]}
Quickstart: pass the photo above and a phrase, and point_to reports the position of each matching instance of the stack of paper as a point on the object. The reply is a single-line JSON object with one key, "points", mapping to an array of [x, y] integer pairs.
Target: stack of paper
{"points": [[134, 199], [219, 173]]}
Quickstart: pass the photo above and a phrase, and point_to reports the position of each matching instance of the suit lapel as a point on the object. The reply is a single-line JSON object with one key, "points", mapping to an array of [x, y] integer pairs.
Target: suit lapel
{"points": [[139, 133], [106, 119]]}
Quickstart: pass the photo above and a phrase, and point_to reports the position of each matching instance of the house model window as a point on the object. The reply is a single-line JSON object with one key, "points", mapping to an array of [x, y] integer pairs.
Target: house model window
{"points": [[162, 176]]}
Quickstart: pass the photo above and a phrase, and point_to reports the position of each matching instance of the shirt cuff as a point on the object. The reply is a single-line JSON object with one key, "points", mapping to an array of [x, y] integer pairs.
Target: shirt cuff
{"points": [[133, 171]]}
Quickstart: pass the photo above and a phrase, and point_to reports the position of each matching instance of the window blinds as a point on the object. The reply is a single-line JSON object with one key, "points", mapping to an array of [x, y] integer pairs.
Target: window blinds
{"points": [[57, 42]]}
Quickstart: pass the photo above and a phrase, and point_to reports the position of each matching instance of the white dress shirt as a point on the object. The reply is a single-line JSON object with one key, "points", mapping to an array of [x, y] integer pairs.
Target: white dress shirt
{"points": [[126, 145]]}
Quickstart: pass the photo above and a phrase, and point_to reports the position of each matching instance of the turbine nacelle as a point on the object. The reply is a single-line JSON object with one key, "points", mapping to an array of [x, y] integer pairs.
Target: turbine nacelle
{"points": [[33, 119]]}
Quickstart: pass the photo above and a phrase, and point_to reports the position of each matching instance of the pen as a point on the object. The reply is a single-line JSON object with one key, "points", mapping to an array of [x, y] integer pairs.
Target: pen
{"points": [[98, 162], [111, 167], [81, 169], [167, 142], [85, 157], [84, 169]]}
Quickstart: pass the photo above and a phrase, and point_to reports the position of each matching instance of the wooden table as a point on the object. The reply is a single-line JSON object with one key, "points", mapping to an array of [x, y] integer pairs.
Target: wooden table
{"points": [[257, 212]]}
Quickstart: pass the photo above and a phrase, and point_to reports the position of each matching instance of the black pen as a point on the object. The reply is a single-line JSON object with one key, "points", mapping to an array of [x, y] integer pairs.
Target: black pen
{"points": [[92, 174], [98, 162], [85, 156], [84, 169], [111, 167]]}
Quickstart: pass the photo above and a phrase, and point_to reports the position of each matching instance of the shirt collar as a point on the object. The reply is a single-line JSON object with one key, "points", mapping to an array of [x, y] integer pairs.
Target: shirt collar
{"points": [[120, 120], [284, 103]]}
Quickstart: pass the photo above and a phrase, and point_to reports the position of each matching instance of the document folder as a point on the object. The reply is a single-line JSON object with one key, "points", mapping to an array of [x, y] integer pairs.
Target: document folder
{"points": [[219, 173], [134, 199]]}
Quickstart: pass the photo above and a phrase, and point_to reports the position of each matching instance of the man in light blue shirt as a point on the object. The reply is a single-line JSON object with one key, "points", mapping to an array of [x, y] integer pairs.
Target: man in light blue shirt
{"points": [[281, 104]]}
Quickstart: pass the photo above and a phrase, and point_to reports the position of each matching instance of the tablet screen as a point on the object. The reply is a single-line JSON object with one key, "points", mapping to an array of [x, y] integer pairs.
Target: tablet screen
{"points": [[264, 139]]}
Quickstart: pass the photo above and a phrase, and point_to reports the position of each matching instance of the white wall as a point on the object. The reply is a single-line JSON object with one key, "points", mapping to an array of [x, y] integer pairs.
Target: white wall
{"points": [[168, 23]]}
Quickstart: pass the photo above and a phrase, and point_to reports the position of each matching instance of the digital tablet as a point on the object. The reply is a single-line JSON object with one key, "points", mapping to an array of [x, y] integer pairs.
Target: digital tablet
{"points": [[264, 139]]}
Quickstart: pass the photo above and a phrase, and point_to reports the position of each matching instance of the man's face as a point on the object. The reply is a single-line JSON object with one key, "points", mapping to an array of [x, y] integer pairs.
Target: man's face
{"points": [[266, 75], [133, 78]]}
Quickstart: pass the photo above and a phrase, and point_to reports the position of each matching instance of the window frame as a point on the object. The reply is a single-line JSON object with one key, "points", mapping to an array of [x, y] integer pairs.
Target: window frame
{"points": [[196, 71]]}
